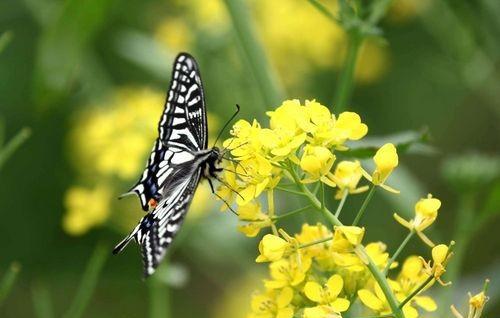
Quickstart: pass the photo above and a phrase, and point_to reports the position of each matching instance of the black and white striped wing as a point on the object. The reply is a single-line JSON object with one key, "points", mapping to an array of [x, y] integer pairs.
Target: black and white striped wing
{"points": [[156, 230], [182, 128]]}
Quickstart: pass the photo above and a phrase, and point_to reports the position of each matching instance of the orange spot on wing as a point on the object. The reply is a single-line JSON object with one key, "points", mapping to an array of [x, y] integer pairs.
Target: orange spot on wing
{"points": [[153, 203]]}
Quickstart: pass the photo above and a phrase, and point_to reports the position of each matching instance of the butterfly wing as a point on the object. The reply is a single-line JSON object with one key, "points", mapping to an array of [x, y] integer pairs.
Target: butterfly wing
{"points": [[182, 129], [156, 230]]}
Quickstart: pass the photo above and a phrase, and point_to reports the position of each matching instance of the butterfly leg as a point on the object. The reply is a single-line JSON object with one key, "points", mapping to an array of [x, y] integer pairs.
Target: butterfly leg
{"points": [[216, 194]]}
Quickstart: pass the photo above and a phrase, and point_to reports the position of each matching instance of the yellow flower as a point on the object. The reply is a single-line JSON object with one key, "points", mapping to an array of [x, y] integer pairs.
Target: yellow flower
{"points": [[174, 34], [378, 303], [246, 140], [255, 174], [313, 233], [317, 162], [353, 234], [321, 312], [288, 272], [85, 208], [440, 257], [346, 177], [386, 159], [476, 303], [271, 248], [348, 126], [252, 213], [328, 294], [273, 304], [426, 211]]}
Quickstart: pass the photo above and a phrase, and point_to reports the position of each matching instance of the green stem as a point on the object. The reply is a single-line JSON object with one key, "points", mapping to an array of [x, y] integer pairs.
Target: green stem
{"points": [[271, 91], [289, 190], [398, 251], [42, 302], [341, 203], [345, 83], [89, 281], [159, 295], [324, 10], [416, 291], [13, 144], [8, 280], [364, 205], [376, 273], [326, 239], [285, 215]]}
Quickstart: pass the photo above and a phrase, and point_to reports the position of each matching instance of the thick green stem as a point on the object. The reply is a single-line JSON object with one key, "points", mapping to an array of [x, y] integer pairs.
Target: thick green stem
{"points": [[159, 296], [364, 205], [271, 91], [360, 250], [8, 280], [398, 251], [89, 281], [344, 87], [42, 302]]}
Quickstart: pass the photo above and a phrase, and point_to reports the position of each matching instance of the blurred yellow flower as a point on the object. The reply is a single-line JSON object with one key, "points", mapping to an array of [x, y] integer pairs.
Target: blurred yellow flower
{"points": [[402, 11], [313, 233], [85, 208], [273, 304], [327, 295], [175, 34], [321, 312]]}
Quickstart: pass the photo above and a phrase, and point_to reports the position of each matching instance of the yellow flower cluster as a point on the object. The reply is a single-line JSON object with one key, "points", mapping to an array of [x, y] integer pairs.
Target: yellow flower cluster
{"points": [[317, 273], [321, 272]]}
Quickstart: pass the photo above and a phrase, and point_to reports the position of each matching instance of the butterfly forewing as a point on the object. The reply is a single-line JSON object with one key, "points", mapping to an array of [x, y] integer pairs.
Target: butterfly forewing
{"points": [[182, 129], [174, 166]]}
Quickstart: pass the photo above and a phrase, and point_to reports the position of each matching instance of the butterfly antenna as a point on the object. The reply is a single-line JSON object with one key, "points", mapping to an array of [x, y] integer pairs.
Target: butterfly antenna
{"points": [[227, 123]]}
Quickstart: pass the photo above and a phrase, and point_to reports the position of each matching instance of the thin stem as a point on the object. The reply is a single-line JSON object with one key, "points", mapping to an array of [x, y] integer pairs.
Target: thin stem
{"points": [[341, 203], [285, 215], [8, 280], [376, 273], [289, 190], [364, 205], [159, 300], [89, 281], [271, 91], [327, 239], [416, 291], [398, 251], [42, 302], [324, 10], [13, 144], [345, 83]]}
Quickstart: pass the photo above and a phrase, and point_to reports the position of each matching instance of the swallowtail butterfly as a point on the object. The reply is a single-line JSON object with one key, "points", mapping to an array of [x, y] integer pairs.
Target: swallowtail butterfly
{"points": [[179, 159]]}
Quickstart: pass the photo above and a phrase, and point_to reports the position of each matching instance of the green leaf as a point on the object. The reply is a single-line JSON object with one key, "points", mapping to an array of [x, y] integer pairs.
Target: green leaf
{"points": [[404, 142], [8, 281], [5, 39], [63, 44]]}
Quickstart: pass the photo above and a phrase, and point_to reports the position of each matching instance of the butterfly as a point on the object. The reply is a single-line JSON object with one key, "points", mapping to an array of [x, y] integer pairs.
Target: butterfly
{"points": [[179, 159]]}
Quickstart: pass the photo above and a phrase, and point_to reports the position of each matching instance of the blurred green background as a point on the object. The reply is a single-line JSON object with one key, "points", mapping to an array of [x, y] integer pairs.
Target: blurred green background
{"points": [[88, 78]]}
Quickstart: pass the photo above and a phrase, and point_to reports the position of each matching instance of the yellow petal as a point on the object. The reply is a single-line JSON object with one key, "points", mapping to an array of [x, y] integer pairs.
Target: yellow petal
{"points": [[439, 253], [340, 304], [370, 300], [313, 291], [335, 285], [284, 297], [426, 303], [410, 312], [353, 234]]}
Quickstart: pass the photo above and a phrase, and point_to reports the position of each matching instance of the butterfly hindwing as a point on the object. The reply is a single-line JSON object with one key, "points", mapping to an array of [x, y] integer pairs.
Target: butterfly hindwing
{"points": [[182, 128]]}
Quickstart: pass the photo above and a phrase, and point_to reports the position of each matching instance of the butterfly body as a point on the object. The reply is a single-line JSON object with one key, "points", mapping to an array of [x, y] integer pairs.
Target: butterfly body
{"points": [[178, 160]]}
